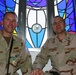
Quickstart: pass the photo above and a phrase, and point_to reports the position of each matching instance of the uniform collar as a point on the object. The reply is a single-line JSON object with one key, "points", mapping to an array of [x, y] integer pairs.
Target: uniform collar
{"points": [[66, 38], [1, 37]]}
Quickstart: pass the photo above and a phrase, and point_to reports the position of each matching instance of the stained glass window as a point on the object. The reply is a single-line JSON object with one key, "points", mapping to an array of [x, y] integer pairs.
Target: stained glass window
{"points": [[36, 18], [36, 23]]}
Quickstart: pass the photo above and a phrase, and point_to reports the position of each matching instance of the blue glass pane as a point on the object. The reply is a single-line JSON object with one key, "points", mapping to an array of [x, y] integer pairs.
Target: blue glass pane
{"points": [[36, 3]]}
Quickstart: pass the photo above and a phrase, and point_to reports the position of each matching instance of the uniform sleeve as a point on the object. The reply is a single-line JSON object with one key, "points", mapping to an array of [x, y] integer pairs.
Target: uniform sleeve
{"points": [[42, 58], [26, 61]]}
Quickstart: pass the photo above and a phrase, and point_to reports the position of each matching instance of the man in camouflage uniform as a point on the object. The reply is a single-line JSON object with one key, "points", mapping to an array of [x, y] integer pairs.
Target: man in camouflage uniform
{"points": [[60, 49], [20, 57]]}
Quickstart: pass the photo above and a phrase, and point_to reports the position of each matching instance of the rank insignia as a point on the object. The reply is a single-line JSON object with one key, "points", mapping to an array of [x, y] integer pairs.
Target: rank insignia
{"points": [[14, 61]]}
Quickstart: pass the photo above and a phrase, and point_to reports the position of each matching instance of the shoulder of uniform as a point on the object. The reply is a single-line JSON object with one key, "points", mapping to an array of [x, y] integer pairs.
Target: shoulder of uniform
{"points": [[17, 38], [51, 39], [1, 34], [71, 35]]}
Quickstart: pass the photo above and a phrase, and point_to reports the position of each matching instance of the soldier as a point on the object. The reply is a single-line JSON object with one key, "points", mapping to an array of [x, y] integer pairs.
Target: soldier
{"points": [[60, 49], [14, 57]]}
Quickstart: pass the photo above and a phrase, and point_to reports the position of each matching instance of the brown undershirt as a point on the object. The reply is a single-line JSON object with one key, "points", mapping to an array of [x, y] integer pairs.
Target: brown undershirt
{"points": [[7, 39]]}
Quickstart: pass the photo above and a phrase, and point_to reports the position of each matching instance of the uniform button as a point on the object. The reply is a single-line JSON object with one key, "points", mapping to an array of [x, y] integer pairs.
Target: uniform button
{"points": [[57, 53]]}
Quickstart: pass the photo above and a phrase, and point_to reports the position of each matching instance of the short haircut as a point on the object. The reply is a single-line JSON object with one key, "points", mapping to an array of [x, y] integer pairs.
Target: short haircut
{"points": [[61, 18], [8, 13]]}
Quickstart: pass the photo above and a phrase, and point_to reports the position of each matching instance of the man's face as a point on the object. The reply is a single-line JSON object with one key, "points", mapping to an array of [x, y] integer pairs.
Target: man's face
{"points": [[9, 23], [58, 25]]}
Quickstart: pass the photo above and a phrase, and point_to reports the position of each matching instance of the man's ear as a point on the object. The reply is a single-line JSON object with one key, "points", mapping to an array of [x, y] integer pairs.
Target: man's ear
{"points": [[16, 24], [65, 24], [1, 23]]}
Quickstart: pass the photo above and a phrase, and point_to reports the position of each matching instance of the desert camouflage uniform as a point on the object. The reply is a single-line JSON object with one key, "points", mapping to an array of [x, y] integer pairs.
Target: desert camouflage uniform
{"points": [[20, 58], [61, 53]]}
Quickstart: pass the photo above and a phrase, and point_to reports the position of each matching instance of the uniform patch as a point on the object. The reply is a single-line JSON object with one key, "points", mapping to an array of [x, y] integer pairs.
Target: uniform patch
{"points": [[14, 60]]}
